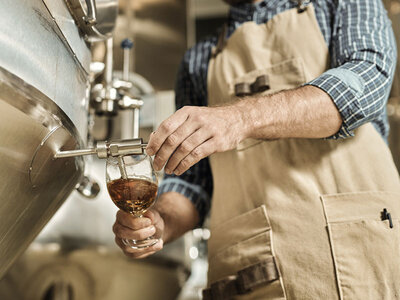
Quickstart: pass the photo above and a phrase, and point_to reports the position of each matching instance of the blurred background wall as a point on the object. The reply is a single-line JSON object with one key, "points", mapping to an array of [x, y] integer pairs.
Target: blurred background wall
{"points": [[393, 8], [75, 256]]}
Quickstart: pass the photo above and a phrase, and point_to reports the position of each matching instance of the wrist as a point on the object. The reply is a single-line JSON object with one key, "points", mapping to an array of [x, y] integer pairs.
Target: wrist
{"points": [[178, 214], [166, 233], [244, 114], [255, 117]]}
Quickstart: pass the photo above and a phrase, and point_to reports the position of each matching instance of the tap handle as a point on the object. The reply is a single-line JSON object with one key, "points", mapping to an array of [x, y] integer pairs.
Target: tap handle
{"points": [[127, 44]]}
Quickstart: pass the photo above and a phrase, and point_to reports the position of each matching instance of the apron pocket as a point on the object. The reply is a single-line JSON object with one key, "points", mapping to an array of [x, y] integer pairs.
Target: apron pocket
{"points": [[365, 249], [243, 243]]}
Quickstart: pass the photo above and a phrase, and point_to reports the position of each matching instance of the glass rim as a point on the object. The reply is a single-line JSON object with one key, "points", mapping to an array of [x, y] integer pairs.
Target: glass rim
{"points": [[114, 159]]}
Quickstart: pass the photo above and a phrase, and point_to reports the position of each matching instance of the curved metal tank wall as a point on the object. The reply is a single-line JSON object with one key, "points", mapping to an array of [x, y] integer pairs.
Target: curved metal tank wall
{"points": [[44, 84], [75, 257]]}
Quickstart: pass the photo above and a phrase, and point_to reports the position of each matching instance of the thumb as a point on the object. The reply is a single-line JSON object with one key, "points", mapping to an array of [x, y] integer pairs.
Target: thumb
{"points": [[151, 215]]}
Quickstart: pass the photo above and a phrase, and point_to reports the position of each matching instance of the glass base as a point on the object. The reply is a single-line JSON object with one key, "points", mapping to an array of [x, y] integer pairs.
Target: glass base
{"points": [[140, 244]]}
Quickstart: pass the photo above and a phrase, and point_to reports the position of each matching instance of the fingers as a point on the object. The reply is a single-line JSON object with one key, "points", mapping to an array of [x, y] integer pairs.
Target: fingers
{"points": [[127, 220], [151, 215], [172, 142], [166, 128], [129, 227], [179, 139], [204, 150], [139, 253], [127, 233], [187, 146]]}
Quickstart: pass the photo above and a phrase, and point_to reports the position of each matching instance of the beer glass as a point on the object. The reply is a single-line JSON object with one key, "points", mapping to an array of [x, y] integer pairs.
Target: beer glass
{"points": [[132, 185]]}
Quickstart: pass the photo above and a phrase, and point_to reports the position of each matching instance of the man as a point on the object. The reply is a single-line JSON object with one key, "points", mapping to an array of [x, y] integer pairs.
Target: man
{"points": [[288, 103]]}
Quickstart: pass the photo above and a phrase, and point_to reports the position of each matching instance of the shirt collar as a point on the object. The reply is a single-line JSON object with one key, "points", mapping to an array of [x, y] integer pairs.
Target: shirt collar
{"points": [[248, 11]]}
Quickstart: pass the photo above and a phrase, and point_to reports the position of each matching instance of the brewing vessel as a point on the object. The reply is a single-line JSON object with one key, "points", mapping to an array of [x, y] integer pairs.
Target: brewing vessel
{"points": [[44, 94]]}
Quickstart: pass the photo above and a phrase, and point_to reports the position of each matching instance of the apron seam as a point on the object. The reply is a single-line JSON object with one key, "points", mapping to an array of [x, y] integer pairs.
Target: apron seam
{"points": [[277, 261], [329, 233]]}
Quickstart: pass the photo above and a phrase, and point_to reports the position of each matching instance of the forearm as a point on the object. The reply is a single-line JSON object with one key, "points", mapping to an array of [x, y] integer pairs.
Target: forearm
{"points": [[178, 213], [305, 112], [193, 133]]}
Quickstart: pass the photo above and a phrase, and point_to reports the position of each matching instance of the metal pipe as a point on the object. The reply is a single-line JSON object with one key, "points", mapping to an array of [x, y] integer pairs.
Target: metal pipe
{"points": [[121, 165], [125, 74], [109, 67], [136, 123], [91, 17], [127, 45], [106, 149], [73, 153], [126, 123]]}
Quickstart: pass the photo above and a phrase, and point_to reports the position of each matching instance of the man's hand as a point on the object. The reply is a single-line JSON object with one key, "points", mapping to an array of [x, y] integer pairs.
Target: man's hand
{"points": [[128, 227], [193, 133], [171, 216]]}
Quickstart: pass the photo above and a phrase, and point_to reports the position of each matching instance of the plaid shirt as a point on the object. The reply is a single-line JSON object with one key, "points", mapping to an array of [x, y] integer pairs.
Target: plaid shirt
{"points": [[363, 57]]}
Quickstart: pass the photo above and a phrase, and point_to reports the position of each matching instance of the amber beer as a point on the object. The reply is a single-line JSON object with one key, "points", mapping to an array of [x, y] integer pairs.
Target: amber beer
{"points": [[132, 195]]}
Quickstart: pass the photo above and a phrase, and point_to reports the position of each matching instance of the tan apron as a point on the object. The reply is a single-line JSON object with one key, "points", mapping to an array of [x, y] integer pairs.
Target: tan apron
{"points": [[297, 218]]}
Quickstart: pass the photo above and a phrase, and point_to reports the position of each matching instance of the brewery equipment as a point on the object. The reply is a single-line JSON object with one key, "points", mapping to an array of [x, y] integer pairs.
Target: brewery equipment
{"points": [[106, 149], [95, 18], [49, 98], [44, 100]]}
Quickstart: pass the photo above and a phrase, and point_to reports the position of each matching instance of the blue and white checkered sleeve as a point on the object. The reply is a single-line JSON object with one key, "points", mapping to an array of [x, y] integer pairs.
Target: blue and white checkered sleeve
{"points": [[195, 192], [196, 184], [363, 59]]}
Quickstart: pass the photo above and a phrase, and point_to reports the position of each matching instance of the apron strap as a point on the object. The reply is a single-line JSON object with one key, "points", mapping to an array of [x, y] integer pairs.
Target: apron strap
{"points": [[244, 282], [302, 5], [221, 42]]}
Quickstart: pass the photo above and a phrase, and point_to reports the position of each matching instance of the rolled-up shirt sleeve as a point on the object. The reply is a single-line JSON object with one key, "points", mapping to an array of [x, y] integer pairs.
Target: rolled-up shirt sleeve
{"points": [[196, 184], [363, 59], [192, 186]]}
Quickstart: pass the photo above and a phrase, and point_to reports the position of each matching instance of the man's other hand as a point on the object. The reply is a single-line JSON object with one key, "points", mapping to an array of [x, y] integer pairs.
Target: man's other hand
{"points": [[127, 226]]}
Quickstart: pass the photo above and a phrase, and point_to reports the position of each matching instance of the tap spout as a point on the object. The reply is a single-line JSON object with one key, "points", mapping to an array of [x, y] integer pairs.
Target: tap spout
{"points": [[106, 149]]}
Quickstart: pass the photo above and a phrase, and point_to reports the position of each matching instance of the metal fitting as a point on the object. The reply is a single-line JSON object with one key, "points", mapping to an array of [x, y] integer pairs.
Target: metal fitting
{"points": [[106, 149]]}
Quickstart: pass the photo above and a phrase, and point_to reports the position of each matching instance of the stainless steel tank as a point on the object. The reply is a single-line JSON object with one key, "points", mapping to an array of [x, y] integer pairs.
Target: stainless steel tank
{"points": [[44, 88]]}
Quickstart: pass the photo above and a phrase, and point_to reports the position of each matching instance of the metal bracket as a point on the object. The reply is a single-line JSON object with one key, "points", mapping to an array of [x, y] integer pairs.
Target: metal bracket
{"points": [[91, 17], [97, 20]]}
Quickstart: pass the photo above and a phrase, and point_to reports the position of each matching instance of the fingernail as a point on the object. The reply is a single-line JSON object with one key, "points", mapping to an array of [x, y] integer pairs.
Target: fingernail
{"points": [[158, 246], [168, 171], [149, 151]]}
